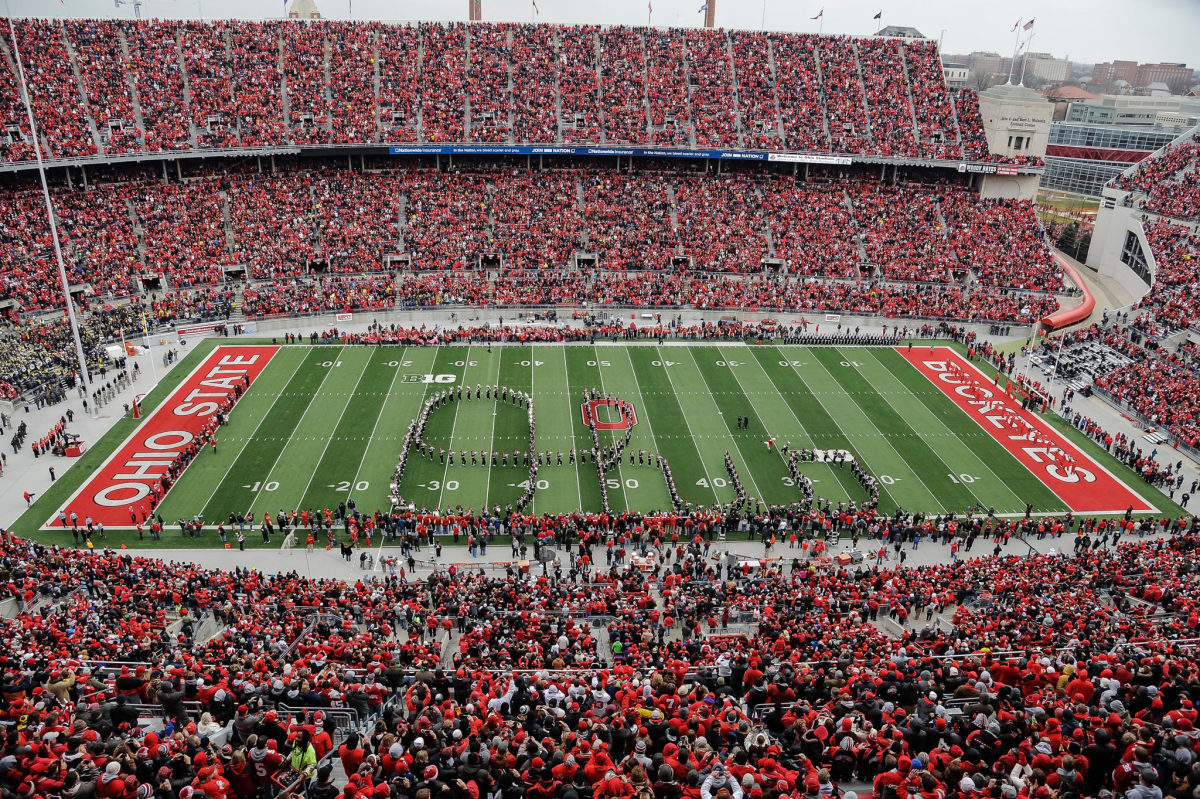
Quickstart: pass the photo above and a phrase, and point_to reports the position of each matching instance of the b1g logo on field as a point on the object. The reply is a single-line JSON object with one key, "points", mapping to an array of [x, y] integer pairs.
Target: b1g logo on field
{"points": [[427, 379], [609, 414]]}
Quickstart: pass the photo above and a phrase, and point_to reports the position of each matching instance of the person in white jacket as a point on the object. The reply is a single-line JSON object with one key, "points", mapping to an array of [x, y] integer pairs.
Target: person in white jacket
{"points": [[717, 779]]}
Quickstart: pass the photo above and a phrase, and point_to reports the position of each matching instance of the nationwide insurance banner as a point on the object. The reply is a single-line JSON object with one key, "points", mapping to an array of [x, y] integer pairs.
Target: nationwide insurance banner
{"points": [[670, 152]]}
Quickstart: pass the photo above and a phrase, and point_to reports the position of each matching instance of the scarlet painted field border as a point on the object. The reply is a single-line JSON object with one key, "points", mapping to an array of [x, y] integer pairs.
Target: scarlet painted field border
{"points": [[1075, 500], [205, 370]]}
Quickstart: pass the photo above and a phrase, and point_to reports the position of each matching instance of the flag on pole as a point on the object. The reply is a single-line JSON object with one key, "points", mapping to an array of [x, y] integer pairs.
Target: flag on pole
{"points": [[1016, 25], [703, 8], [535, 8], [818, 16], [1027, 25], [878, 16]]}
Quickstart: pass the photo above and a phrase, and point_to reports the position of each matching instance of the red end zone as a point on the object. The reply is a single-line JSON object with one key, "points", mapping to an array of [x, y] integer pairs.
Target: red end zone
{"points": [[1084, 485], [135, 470]]}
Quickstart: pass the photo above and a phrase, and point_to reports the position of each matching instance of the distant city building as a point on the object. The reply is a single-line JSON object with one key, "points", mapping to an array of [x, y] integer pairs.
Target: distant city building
{"points": [[303, 9], [1048, 68], [956, 75], [901, 32], [1131, 111], [986, 64], [1081, 158], [1177, 77]]}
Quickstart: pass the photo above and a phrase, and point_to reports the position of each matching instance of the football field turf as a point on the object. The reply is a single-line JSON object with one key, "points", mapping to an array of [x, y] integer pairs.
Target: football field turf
{"points": [[323, 424]]}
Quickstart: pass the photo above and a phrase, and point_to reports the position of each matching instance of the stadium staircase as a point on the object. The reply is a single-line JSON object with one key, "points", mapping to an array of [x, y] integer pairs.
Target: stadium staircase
{"points": [[467, 74], [376, 82], [84, 105], [420, 71], [858, 239], [739, 123], [824, 95], [138, 118], [401, 220], [862, 86], [187, 91], [912, 109], [779, 129]]}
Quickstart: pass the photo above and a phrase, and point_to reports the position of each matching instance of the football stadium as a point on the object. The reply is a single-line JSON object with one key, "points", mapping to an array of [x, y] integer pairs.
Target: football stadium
{"points": [[492, 408]]}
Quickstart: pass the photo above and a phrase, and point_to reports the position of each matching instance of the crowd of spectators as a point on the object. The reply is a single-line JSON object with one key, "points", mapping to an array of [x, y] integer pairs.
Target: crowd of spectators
{"points": [[623, 78], [308, 219], [845, 107], [1001, 241], [1165, 393], [931, 103], [488, 86], [1173, 300], [399, 78], [1045, 676], [887, 92], [229, 83], [1170, 181], [97, 45]]}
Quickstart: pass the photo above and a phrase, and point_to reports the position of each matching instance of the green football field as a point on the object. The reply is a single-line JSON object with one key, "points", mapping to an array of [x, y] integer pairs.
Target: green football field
{"points": [[325, 424]]}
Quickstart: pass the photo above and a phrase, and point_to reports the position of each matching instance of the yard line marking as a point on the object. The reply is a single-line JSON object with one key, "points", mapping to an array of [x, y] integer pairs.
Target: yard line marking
{"points": [[803, 428], [638, 383], [882, 488], [951, 433], [487, 487], [307, 408], [454, 425], [571, 421], [749, 472], [703, 465], [232, 463], [342, 415], [867, 416], [620, 456], [379, 418]]}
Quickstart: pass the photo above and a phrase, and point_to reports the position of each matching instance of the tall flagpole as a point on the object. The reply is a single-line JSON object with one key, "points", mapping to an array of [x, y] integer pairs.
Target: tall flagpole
{"points": [[1025, 60], [84, 375], [1016, 44]]}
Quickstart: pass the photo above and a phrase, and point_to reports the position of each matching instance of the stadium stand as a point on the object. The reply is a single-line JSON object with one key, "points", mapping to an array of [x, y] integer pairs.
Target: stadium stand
{"points": [[108, 88], [131, 676], [1170, 182]]}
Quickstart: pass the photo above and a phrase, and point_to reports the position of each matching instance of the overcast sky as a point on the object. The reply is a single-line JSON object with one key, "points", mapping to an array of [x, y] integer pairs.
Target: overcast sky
{"points": [[1086, 30]]}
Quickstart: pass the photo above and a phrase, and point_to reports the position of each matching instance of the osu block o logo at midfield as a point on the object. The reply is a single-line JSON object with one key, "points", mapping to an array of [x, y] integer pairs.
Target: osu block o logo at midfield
{"points": [[599, 413]]}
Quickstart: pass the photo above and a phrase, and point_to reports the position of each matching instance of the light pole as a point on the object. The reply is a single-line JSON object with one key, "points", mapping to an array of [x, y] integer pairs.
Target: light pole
{"points": [[62, 269]]}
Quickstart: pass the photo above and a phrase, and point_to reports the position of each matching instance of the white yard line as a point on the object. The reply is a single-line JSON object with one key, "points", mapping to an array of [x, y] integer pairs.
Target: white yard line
{"points": [[620, 456], [379, 418], [882, 488], [571, 422], [982, 462], [350, 398], [303, 416], [703, 465], [491, 442], [749, 472], [454, 424], [240, 449]]}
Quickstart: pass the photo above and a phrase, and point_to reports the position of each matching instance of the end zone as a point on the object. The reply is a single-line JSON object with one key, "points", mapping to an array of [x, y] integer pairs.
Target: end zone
{"points": [[1085, 486], [133, 473]]}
